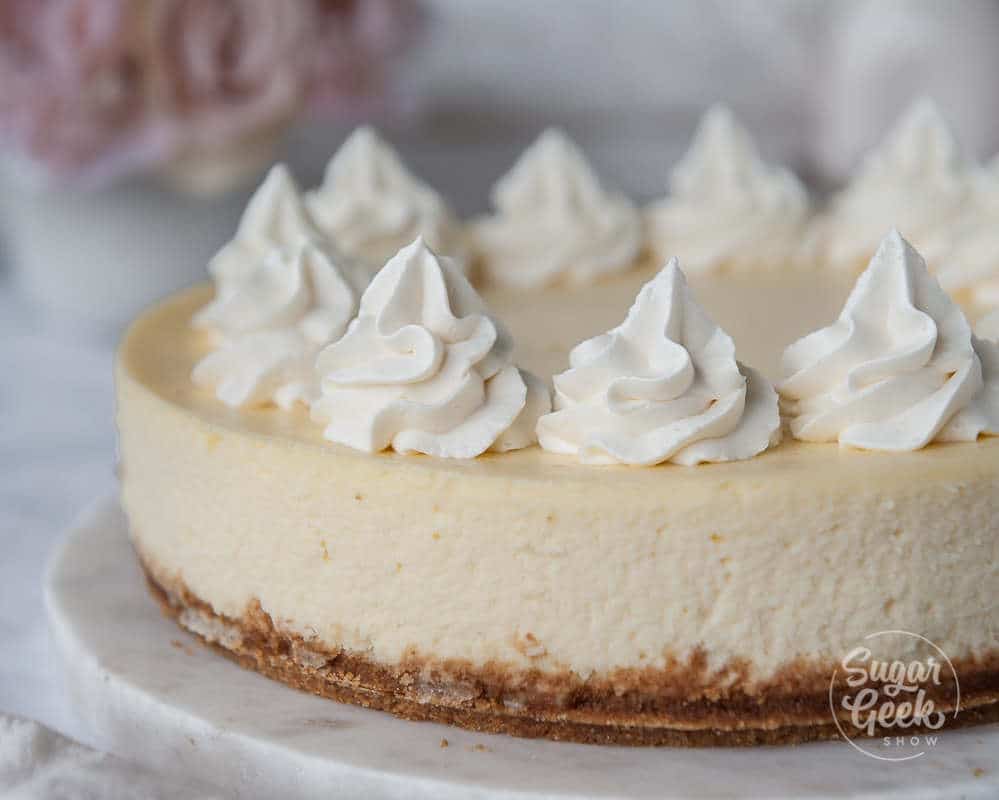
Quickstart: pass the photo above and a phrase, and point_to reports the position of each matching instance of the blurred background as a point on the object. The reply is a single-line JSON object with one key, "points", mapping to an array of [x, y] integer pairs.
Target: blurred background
{"points": [[132, 132]]}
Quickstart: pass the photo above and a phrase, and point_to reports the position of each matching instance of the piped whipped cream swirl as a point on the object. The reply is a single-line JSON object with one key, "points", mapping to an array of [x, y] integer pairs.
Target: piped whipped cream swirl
{"points": [[372, 206], [275, 217], [917, 181], [282, 294], [662, 386], [423, 368], [727, 209], [273, 326], [554, 221], [899, 369], [970, 270]]}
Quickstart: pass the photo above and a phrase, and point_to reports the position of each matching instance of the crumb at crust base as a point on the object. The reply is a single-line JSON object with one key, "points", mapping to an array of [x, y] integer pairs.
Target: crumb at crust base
{"points": [[487, 699]]}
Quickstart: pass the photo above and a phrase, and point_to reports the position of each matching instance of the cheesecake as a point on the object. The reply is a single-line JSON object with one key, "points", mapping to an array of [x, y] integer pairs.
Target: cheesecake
{"points": [[530, 593], [630, 507]]}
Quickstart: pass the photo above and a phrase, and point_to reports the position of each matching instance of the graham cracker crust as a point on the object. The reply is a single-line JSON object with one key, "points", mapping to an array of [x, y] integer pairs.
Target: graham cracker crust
{"points": [[682, 705]]}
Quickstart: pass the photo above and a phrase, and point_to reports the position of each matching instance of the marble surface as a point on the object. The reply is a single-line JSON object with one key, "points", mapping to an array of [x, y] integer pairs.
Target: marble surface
{"points": [[151, 693], [37, 762], [56, 456]]}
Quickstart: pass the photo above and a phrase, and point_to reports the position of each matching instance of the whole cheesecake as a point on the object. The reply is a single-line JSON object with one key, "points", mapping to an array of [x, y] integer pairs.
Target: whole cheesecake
{"points": [[764, 507], [528, 593]]}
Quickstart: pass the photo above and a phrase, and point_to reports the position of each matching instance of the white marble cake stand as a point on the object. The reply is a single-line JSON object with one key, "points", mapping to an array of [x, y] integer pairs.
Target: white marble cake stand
{"points": [[149, 692]]}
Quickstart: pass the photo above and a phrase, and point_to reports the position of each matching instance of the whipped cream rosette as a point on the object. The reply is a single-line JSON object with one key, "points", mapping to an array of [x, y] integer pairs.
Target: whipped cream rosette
{"points": [[282, 292], [970, 270], [727, 209], [899, 369], [372, 206], [272, 326], [917, 181], [275, 217], [555, 222], [662, 386], [424, 368]]}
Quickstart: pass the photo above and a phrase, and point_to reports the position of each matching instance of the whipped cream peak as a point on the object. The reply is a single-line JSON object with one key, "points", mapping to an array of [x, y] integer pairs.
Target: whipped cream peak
{"points": [[721, 156], [269, 329], [898, 369], [275, 217], [662, 386], [917, 180], [372, 205], [424, 368], [921, 142], [554, 221], [727, 209], [552, 176], [969, 269]]}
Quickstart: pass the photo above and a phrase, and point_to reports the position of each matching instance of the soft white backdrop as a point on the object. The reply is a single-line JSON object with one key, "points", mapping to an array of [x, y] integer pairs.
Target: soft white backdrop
{"points": [[816, 81]]}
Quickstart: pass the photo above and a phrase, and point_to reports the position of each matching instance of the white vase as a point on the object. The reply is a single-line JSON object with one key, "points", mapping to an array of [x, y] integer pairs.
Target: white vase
{"points": [[98, 257]]}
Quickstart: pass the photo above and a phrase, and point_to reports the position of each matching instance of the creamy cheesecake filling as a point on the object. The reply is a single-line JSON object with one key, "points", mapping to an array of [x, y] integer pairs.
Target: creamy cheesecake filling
{"points": [[533, 560]]}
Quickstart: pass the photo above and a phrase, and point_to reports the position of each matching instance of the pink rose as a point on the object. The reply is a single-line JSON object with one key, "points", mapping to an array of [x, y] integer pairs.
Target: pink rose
{"points": [[230, 67], [94, 88], [70, 82], [356, 43]]}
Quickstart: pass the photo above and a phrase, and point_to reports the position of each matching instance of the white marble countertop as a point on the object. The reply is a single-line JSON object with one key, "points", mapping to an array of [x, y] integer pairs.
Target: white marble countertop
{"points": [[56, 456]]}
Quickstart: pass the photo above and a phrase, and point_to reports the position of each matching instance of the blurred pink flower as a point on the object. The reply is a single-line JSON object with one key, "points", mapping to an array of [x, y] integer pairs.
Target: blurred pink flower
{"points": [[230, 67], [95, 88], [357, 43], [70, 83]]}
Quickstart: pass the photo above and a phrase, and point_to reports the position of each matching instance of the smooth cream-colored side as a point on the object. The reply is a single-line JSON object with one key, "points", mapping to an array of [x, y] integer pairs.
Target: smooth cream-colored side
{"points": [[800, 552]]}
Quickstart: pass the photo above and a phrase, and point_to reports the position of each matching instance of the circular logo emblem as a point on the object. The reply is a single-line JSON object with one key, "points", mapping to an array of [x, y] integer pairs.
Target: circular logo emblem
{"points": [[893, 710]]}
